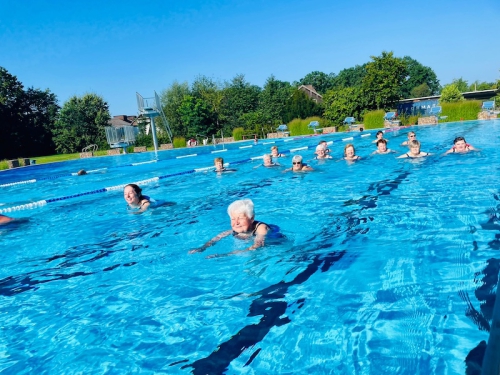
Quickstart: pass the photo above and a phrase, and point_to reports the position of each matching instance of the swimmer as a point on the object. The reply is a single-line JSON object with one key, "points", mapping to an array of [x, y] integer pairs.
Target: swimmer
{"points": [[81, 172], [298, 166], [350, 153], [411, 136], [382, 147], [275, 153], [321, 152], [325, 146], [379, 136], [414, 151], [268, 161], [134, 198], [5, 219], [243, 226], [219, 166], [460, 146]]}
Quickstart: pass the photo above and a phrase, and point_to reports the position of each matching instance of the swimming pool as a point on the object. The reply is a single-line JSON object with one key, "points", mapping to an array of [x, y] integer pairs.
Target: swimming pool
{"points": [[388, 265]]}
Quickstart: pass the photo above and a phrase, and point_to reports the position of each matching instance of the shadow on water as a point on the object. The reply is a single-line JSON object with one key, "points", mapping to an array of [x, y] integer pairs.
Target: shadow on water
{"points": [[484, 358], [269, 302]]}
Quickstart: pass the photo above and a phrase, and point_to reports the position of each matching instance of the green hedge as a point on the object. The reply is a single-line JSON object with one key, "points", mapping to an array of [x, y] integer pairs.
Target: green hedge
{"points": [[179, 142], [374, 119], [463, 110], [300, 126], [238, 134]]}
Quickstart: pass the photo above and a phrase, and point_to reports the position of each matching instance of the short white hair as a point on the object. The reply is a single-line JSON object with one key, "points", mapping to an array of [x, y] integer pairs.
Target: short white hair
{"points": [[320, 147], [297, 158], [243, 206]]}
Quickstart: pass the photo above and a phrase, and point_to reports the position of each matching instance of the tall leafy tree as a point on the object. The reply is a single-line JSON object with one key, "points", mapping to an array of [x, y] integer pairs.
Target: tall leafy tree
{"points": [[461, 84], [299, 105], [343, 102], [321, 82], [273, 99], [210, 91], [418, 75], [384, 77], [350, 77], [26, 118], [171, 99], [195, 114], [81, 123], [240, 97]]}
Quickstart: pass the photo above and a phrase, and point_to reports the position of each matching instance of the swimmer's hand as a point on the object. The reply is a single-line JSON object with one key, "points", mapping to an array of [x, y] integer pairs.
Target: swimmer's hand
{"points": [[197, 250]]}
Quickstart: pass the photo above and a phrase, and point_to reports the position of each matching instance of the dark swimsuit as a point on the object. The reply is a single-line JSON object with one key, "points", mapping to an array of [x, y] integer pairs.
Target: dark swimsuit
{"points": [[256, 225], [413, 157]]}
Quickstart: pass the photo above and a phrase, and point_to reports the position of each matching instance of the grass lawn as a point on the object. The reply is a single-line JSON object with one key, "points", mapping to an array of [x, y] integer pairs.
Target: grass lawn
{"points": [[53, 158]]}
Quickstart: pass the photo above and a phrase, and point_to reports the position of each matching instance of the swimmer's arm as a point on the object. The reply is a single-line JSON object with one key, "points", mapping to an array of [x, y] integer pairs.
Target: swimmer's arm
{"points": [[260, 237], [211, 242], [307, 168], [402, 156]]}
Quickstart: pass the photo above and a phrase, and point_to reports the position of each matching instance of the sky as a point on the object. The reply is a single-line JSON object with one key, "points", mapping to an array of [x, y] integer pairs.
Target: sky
{"points": [[117, 48]]}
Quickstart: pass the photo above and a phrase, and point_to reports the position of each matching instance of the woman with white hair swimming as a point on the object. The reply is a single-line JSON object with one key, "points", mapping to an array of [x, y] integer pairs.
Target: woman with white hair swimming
{"points": [[321, 152], [243, 226], [298, 165]]}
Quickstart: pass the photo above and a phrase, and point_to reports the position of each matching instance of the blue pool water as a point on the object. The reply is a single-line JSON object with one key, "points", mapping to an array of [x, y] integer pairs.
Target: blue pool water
{"points": [[388, 265]]}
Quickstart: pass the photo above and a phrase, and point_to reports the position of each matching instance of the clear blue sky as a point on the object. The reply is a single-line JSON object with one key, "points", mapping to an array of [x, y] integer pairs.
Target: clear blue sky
{"points": [[117, 48]]}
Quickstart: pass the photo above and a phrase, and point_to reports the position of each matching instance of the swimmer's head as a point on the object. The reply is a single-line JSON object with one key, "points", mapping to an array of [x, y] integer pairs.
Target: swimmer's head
{"points": [[458, 139], [81, 172], [380, 134], [267, 159], [349, 150], [132, 194], [219, 163], [241, 213], [297, 162]]}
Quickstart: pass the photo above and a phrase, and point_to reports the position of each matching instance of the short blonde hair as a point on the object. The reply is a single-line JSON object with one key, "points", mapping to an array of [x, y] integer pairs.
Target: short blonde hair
{"points": [[349, 145], [219, 159]]}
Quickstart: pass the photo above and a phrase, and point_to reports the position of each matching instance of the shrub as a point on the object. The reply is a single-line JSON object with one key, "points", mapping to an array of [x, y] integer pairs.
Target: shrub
{"points": [[300, 126], [408, 119], [238, 134], [374, 119], [179, 142], [463, 110], [450, 93]]}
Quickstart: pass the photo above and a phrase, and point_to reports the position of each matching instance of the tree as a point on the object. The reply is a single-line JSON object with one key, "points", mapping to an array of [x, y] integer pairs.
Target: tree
{"points": [[208, 90], [195, 115], [299, 105], [343, 102], [384, 77], [461, 84], [240, 97], [273, 98], [418, 75], [350, 77], [171, 100], [321, 82], [450, 93], [421, 91], [479, 86], [26, 118], [81, 123]]}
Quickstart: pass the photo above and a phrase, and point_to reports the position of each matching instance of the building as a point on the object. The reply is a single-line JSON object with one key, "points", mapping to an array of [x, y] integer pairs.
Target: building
{"points": [[421, 106], [311, 93], [123, 120]]}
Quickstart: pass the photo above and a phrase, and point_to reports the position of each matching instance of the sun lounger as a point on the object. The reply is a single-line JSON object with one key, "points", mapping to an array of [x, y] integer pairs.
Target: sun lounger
{"points": [[350, 121]]}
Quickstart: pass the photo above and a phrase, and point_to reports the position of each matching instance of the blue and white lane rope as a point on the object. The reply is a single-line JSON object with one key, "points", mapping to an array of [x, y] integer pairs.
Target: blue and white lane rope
{"points": [[31, 181], [42, 203]]}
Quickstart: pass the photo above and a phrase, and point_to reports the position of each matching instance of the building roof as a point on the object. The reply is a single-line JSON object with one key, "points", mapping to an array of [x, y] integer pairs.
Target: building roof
{"points": [[123, 120]]}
